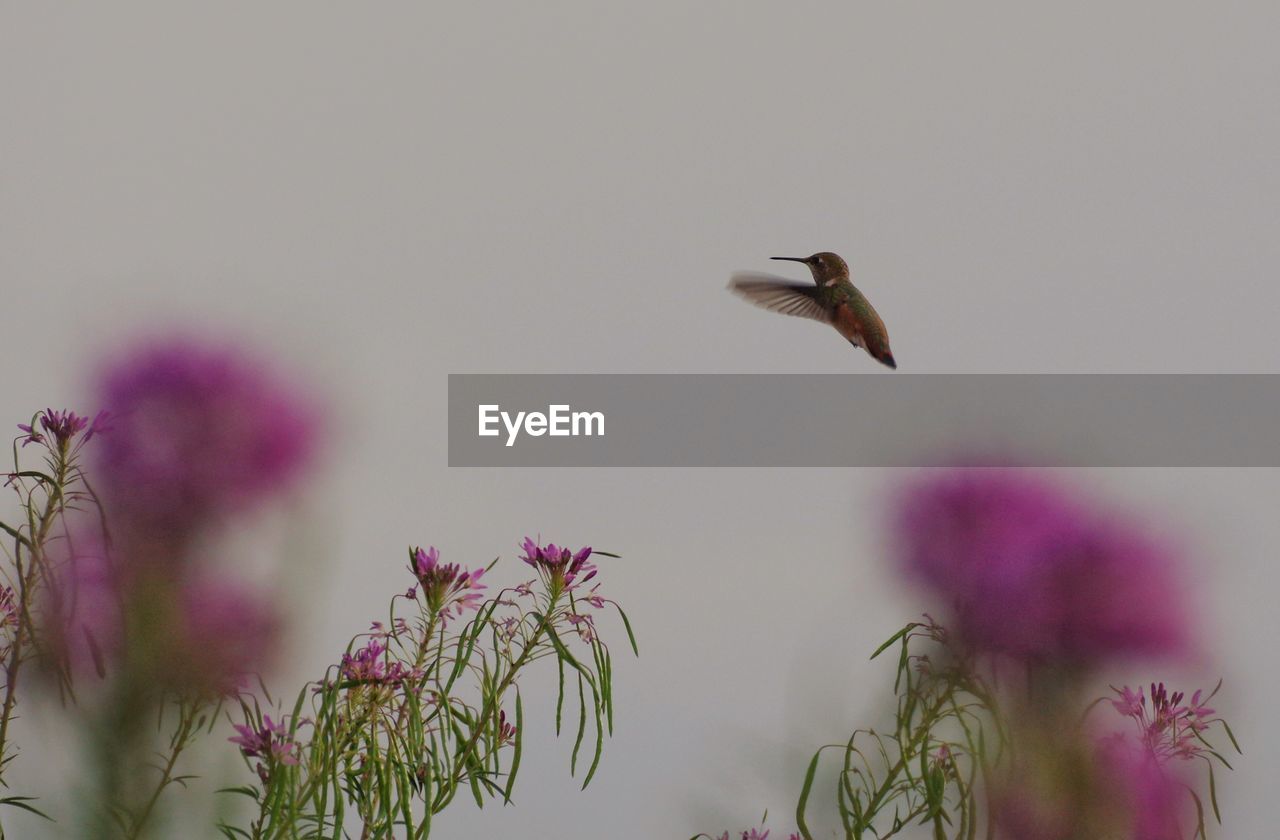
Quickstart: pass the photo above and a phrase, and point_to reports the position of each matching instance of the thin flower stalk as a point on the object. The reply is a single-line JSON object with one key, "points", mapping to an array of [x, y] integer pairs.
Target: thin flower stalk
{"points": [[423, 707]]}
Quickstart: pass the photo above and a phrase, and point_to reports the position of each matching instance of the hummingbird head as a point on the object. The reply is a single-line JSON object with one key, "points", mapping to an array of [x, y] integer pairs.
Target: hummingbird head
{"points": [[828, 269]]}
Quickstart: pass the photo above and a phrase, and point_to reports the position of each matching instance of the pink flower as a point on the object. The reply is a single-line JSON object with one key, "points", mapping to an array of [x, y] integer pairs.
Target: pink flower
{"points": [[506, 730], [63, 425], [270, 741], [446, 586], [199, 429], [1034, 572], [369, 666], [194, 636], [1171, 729], [584, 624], [560, 568], [83, 612], [1116, 789], [221, 634], [1153, 800]]}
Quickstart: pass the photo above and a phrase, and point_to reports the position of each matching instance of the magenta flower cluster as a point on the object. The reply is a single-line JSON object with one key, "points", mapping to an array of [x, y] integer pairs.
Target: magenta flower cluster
{"points": [[200, 430], [63, 426], [447, 588], [1129, 795], [1150, 798], [271, 741], [368, 666], [1033, 571], [1169, 728], [562, 568]]}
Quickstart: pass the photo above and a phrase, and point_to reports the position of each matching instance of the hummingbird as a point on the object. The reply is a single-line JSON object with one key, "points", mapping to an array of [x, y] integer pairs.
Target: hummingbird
{"points": [[832, 300]]}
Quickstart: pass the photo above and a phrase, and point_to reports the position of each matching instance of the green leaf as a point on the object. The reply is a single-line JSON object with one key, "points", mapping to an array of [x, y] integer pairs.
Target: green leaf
{"points": [[23, 803], [626, 622], [895, 637], [805, 790], [1231, 735], [1213, 795]]}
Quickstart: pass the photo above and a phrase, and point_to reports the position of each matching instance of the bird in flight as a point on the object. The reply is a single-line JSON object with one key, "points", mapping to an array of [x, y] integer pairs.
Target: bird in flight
{"points": [[832, 300]]}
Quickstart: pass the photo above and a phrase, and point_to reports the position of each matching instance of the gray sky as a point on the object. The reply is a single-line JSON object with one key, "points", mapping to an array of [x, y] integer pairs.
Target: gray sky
{"points": [[386, 195]]}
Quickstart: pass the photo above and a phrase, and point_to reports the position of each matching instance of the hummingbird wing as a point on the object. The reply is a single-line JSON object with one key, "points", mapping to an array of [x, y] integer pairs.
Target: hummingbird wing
{"points": [[778, 294]]}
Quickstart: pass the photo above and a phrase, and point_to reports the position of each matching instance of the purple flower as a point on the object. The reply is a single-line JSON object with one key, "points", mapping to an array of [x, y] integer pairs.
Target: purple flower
{"points": [[1033, 572], [63, 425], [506, 730], [221, 634], [560, 568], [194, 636], [83, 615], [584, 624], [1112, 788], [1152, 801], [199, 429], [446, 586], [369, 666], [271, 741], [1169, 729]]}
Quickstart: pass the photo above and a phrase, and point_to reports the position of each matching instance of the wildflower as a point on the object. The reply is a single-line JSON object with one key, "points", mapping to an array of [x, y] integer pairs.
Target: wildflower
{"points": [[1033, 572], [1151, 800], [193, 635], [507, 627], [198, 430], [560, 568], [446, 586], [82, 614], [220, 634], [271, 741], [1113, 787], [63, 425], [1172, 729], [369, 666], [594, 598], [506, 730], [584, 624]]}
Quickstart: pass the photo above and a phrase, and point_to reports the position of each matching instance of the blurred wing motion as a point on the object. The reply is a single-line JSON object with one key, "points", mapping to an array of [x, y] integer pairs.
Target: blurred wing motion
{"points": [[780, 295]]}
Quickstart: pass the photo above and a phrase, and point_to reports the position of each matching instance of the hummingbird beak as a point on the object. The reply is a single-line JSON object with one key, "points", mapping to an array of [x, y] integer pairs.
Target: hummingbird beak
{"points": [[792, 259]]}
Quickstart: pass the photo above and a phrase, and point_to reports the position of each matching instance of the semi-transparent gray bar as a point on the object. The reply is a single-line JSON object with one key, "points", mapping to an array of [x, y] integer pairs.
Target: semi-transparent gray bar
{"points": [[713, 420]]}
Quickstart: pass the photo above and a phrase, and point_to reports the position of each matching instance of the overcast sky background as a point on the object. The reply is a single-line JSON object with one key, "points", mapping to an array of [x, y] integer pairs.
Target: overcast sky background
{"points": [[382, 195]]}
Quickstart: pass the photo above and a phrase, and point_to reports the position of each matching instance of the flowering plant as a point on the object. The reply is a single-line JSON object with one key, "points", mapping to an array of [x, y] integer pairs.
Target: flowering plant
{"points": [[116, 591], [993, 732], [421, 708]]}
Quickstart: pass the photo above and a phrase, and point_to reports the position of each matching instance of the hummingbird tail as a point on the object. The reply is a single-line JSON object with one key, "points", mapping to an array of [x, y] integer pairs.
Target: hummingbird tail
{"points": [[886, 358]]}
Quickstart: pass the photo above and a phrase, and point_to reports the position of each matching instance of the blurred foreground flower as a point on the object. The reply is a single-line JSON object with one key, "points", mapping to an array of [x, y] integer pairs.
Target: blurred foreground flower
{"points": [[138, 622], [1033, 571], [199, 429], [991, 733], [1112, 789]]}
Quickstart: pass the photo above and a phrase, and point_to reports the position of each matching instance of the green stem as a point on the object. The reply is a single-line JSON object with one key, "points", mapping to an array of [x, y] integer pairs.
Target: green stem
{"points": [[181, 737], [26, 581], [493, 703], [921, 735]]}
